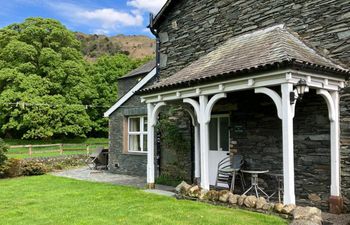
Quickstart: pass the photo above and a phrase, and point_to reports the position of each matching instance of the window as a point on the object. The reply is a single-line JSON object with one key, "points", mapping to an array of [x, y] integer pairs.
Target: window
{"points": [[219, 135], [137, 134]]}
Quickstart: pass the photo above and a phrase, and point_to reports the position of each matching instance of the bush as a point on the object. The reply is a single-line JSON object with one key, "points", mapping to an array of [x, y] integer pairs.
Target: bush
{"points": [[30, 168], [12, 168], [3, 150]]}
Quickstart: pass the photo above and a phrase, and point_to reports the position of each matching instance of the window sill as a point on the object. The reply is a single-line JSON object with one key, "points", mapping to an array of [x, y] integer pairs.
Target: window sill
{"points": [[135, 153]]}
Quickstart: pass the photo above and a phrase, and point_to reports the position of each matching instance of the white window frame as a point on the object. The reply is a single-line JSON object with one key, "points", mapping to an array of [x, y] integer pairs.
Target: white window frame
{"points": [[140, 133], [218, 116]]}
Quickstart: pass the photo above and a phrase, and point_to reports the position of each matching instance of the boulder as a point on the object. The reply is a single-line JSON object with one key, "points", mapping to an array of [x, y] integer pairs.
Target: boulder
{"points": [[311, 214], [250, 201], [279, 207], [233, 199], [268, 206], [241, 200], [194, 191], [183, 187], [212, 195], [224, 195], [261, 201], [288, 209]]}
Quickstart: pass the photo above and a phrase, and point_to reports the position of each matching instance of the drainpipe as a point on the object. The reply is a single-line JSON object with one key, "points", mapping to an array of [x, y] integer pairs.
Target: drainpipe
{"points": [[155, 33]]}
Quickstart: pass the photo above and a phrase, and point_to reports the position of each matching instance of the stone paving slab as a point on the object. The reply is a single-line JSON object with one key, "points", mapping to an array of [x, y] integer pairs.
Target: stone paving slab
{"points": [[117, 179]]}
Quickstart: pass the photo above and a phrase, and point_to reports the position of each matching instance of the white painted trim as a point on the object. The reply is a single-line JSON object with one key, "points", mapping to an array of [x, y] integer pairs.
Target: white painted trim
{"points": [[237, 84], [128, 95], [274, 96], [140, 133], [331, 107], [195, 106], [155, 113], [211, 104]]}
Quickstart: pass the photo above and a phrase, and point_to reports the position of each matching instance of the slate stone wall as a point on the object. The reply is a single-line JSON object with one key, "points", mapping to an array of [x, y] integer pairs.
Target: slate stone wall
{"points": [[119, 161], [193, 28]]}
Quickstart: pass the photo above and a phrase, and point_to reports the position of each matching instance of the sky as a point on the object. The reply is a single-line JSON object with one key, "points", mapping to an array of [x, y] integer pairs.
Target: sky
{"points": [[109, 17]]}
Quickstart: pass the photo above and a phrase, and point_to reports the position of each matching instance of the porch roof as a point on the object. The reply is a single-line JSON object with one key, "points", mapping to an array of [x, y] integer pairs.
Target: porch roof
{"points": [[270, 48]]}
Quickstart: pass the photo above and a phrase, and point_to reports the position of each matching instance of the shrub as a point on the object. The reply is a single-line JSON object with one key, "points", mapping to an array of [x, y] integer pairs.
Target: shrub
{"points": [[3, 150], [12, 168], [30, 168]]}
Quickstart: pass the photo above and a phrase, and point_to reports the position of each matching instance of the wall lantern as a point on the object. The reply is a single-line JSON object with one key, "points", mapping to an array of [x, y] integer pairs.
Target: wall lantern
{"points": [[301, 88]]}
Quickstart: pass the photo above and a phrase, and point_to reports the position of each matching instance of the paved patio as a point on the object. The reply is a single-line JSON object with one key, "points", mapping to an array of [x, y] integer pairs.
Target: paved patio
{"points": [[117, 179]]}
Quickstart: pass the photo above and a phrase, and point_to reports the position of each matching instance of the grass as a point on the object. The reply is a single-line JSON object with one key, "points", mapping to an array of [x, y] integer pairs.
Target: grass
{"points": [[47, 200], [20, 153]]}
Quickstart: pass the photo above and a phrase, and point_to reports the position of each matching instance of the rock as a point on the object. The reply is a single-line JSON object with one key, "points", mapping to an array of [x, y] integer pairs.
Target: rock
{"points": [[288, 209], [240, 200], [314, 198], [202, 194], [212, 195], [224, 195], [233, 199], [194, 191], [183, 187], [250, 201], [279, 207], [308, 213], [268, 206], [261, 201]]}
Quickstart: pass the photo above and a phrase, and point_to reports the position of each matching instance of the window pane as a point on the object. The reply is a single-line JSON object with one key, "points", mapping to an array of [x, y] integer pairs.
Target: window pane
{"points": [[134, 143], [134, 125], [145, 143], [224, 133], [213, 134], [145, 124]]}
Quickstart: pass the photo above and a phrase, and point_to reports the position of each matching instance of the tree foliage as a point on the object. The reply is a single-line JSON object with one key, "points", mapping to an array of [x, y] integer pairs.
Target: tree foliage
{"points": [[43, 71]]}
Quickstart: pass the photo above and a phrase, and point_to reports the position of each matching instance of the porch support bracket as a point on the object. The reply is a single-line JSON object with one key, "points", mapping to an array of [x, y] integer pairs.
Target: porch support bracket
{"points": [[274, 96], [152, 114]]}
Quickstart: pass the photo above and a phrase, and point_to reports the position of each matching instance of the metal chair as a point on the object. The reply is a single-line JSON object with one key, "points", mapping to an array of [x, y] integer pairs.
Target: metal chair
{"points": [[224, 172], [237, 163]]}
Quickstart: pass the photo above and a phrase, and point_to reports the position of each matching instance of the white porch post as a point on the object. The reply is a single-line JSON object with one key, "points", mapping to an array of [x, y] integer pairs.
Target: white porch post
{"points": [[204, 142], [288, 148], [335, 152], [197, 172], [152, 116], [332, 100], [150, 147]]}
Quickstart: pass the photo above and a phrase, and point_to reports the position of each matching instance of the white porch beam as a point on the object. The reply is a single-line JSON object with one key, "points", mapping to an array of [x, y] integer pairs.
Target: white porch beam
{"points": [[152, 115], [288, 146], [332, 100], [204, 142]]}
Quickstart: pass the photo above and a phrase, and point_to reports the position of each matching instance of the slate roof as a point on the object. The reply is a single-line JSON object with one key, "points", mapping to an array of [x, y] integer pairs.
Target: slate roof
{"points": [[271, 47], [144, 69]]}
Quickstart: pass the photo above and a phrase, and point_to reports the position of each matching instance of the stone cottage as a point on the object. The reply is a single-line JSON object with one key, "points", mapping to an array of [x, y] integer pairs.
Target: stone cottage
{"points": [[237, 68]]}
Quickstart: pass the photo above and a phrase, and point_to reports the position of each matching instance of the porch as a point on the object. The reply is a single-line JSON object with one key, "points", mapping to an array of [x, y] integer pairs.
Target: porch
{"points": [[272, 129]]}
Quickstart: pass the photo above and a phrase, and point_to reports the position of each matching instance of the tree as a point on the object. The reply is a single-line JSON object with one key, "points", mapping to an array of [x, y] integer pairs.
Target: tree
{"points": [[43, 71], [104, 74]]}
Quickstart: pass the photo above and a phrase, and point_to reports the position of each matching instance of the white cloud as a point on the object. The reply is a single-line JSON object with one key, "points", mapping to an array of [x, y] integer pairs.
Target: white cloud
{"points": [[147, 5]]}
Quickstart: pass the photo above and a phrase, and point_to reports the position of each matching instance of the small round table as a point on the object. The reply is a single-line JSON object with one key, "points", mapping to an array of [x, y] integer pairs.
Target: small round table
{"points": [[254, 181]]}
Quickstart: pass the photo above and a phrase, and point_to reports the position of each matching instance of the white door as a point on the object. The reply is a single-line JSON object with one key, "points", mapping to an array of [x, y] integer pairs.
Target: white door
{"points": [[219, 138]]}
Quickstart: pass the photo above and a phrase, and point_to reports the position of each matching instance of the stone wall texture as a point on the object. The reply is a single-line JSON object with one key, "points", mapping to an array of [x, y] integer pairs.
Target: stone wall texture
{"points": [[192, 28]]}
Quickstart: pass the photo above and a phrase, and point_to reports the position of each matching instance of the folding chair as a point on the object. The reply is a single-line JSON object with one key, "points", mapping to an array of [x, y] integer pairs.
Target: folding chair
{"points": [[95, 159]]}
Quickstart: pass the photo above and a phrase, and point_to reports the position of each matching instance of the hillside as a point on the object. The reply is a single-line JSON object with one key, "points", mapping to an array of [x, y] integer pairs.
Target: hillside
{"points": [[137, 46]]}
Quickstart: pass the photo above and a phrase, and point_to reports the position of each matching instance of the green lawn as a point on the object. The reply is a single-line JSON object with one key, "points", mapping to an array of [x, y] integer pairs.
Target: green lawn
{"points": [[52, 200]]}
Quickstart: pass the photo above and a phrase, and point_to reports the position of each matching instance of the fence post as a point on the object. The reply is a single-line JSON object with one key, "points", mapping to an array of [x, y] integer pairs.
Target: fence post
{"points": [[30, 150], [61, 149], [87, 149]]}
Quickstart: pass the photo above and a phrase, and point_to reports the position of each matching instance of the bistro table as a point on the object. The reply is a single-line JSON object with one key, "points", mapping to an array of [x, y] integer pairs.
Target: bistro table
{"points": [[279, 179], [254, 181]]}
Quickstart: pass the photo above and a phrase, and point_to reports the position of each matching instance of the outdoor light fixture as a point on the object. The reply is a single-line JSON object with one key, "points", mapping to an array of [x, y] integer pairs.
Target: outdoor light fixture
{"points": [[300, 87]]}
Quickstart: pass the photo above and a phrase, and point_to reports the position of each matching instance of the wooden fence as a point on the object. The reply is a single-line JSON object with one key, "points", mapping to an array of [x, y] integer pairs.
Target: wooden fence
{"points": [[60, 148]]}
